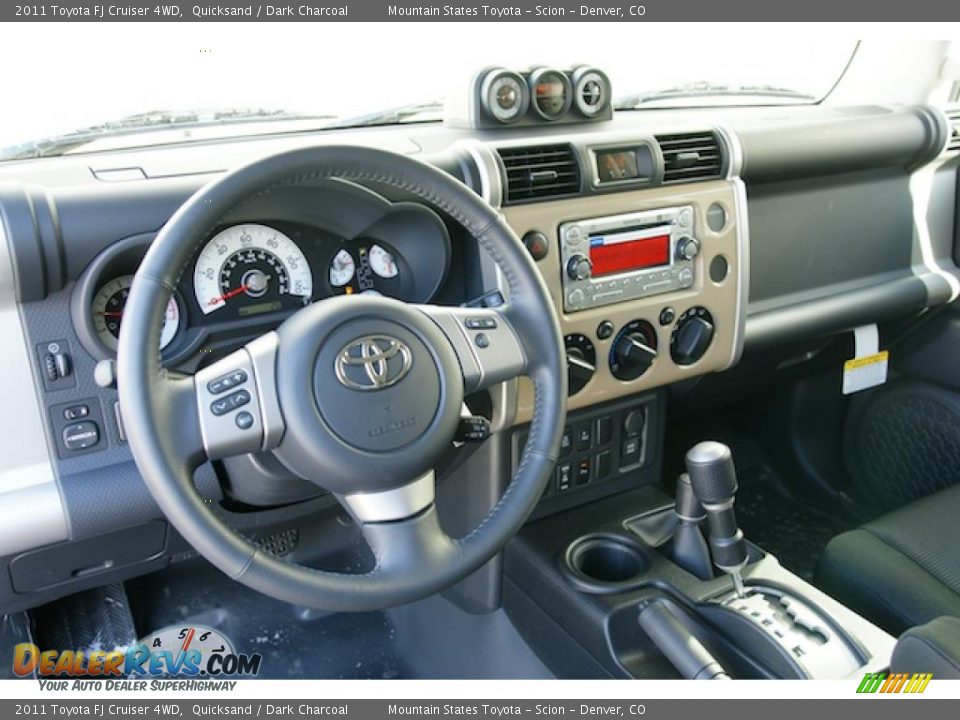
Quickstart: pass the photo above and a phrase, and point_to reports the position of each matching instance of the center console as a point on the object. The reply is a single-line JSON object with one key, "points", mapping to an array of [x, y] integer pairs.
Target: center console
{"points": [[608, 591], [646, 264]]}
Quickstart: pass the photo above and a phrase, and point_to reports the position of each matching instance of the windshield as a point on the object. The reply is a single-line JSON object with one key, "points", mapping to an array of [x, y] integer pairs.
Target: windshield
{"points": [[105, 89]]}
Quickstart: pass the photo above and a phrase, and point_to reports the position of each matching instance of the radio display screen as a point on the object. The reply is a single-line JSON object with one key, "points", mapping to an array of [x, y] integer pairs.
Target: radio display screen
{"points": [[626, 251]]}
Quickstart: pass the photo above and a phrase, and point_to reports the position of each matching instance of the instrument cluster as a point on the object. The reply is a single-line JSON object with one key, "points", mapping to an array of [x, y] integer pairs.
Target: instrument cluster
{"points": [[251, 274]]}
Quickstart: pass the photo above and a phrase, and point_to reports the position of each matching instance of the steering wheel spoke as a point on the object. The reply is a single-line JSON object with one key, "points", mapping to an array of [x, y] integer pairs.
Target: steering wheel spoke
{"points": [[401, 526], [236, 401], [485, 342]]}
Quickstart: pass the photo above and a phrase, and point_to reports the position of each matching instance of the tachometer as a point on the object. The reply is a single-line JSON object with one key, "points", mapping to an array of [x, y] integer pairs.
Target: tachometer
{"points": [[254, 268], [108, 306]]}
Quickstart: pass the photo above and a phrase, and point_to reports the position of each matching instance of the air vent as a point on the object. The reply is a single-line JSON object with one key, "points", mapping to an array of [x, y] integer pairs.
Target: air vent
{"points": [[541, 172], [691, 157], [953, 143]]}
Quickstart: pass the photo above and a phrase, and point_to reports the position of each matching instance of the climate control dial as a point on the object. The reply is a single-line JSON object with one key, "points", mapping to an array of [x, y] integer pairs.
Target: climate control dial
{"points": [[633, 350], [581, 361], [691, 336]]}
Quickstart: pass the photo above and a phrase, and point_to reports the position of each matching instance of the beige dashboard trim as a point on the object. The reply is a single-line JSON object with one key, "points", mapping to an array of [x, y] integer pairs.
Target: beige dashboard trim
{"points": [[725, 300], [32, 512]]}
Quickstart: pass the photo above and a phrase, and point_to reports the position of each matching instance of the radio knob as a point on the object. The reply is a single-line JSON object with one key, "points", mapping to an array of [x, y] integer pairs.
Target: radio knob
{"points": [[687, 248], [579, 267]]}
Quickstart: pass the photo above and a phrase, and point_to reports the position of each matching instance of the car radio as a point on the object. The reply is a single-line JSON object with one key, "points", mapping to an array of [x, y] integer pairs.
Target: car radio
{"points": [[611, 259]]}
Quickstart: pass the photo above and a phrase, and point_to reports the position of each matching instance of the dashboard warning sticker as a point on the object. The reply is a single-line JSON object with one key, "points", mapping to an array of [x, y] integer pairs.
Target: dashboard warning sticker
{"points": [[865, 372]]}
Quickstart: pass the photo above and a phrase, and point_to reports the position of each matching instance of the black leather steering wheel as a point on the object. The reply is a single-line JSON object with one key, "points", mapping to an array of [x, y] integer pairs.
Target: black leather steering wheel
{"points": [[357, 394]]}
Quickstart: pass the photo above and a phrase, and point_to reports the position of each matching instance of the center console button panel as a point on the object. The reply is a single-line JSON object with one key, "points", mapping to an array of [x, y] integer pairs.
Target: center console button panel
{"points": [[602, 451]]}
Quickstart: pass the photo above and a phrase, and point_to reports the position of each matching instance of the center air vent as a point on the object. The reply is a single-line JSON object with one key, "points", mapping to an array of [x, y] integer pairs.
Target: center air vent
{"points": [[690, 157], [537, 173], [953, 143]]}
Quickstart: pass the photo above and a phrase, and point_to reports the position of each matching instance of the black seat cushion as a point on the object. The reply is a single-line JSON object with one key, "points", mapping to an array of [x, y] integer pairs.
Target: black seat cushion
{"points": [[902, 569]]}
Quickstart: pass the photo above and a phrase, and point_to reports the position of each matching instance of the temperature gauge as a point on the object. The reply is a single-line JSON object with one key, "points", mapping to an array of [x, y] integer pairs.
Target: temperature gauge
{"points": [[382, 262]]}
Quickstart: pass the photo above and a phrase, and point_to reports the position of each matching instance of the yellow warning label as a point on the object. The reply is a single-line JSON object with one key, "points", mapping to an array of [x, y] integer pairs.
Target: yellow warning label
{"points": [[857, 363]]}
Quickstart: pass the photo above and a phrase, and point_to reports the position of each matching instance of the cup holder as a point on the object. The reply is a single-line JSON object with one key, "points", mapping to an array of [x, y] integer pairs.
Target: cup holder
{"points": [[605, 563]]}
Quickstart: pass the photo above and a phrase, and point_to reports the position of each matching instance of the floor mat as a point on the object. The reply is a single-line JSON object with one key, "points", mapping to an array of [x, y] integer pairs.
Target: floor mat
{"points": [[428, 639], [796, 533]]}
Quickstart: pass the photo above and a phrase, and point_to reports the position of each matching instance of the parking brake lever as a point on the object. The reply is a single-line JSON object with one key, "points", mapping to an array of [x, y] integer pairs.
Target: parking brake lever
{"points": [[663, 626]]}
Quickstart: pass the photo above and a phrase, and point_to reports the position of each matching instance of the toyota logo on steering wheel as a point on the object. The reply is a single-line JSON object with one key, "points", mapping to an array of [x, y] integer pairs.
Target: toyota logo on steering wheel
{"points": [[373, 362]]}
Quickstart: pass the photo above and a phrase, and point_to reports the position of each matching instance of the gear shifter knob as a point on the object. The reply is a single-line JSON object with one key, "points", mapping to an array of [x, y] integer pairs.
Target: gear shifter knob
{"points": [[710, 465], [714, 482]]}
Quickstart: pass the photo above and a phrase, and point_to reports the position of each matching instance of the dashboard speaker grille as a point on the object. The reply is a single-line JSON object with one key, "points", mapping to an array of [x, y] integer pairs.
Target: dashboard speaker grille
{"points": [[540, 172], [690, 157]]}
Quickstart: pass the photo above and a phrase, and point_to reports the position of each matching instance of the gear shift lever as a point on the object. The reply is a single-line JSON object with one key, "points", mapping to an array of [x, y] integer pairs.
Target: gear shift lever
{"points": [[714, 481]]}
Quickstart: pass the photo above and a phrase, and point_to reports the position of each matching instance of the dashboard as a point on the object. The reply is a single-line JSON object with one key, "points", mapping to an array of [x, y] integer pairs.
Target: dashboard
{"points": [[674, 244]]}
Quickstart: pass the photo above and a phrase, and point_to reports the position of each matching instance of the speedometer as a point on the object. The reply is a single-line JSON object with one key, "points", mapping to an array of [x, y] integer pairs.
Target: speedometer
{"points": [[253, 268]]}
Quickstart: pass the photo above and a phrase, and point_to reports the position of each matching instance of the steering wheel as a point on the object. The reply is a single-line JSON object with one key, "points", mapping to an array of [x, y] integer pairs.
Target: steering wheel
{"points": [[357, 394]]}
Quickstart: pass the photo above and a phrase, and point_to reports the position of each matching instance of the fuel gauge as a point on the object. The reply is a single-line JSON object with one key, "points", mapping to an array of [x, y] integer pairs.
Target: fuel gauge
{"points": [[342, 268]]}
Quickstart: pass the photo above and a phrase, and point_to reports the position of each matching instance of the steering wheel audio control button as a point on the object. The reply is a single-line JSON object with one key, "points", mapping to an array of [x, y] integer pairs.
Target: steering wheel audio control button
{"points": [[226, 382], [230, 402], [223, 430], [480, 323]]}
